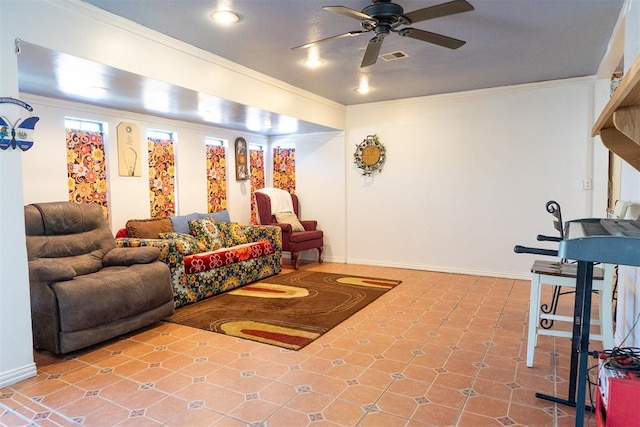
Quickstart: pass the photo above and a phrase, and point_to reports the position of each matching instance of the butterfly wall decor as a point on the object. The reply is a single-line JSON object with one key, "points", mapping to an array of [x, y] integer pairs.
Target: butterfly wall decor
{"points": [[20, 134]]}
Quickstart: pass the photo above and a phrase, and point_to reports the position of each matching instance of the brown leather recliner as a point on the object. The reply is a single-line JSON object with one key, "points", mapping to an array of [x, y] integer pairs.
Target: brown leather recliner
{"points": [[292, 241], [84, 290]]}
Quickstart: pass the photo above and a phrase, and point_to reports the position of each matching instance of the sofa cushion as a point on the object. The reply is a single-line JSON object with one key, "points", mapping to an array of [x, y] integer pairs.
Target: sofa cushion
{"points": [[232, 234], [206, 261], [181, 222], [112, 294], [206, 233], [148, 228], [222, 216], [185, 243], [289, 218], [306, 236]]}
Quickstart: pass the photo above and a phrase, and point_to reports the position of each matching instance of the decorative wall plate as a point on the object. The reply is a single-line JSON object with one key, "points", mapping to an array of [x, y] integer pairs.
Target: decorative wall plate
{"points": [[242, 160], [370, 155]]}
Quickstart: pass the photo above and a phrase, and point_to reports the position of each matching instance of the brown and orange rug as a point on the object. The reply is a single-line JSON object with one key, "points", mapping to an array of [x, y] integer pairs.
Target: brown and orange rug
{"points": [[289, 310]]}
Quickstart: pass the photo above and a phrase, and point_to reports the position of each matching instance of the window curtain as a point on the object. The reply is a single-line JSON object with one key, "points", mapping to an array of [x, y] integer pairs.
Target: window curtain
{"points": [[284, 169], [86, 168], [161, 177], [256, 163], [216, 178]]}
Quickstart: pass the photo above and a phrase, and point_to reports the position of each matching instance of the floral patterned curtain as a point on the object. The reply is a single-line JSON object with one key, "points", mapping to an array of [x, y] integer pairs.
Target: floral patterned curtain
{"points": [[256, 163], [161, 177], [216, 178], [284, 169], [86, 168]]}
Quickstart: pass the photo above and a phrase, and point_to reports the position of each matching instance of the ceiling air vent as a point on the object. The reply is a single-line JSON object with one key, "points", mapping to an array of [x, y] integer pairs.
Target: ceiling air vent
{"points": [[394, 55]]}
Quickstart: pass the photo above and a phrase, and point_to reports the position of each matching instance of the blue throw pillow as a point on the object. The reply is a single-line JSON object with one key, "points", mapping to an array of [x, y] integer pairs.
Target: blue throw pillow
{"points": [[181, 223], [222, 216]]}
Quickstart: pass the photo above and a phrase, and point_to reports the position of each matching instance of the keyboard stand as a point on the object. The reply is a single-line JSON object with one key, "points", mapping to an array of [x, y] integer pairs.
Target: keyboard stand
{"points": [[579, 345]]}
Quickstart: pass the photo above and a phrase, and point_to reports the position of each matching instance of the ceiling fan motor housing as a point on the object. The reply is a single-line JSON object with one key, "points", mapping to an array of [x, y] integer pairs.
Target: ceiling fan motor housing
{"points": [[384, 11]]}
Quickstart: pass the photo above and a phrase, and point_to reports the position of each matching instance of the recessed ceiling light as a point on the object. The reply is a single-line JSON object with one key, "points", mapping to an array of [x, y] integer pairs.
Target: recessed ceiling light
{"points": [[363, 89], [224, 17], [313, 62]]}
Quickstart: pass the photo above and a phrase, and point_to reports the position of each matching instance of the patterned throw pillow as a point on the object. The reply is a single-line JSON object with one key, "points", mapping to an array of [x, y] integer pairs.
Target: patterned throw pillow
{"points": [[232, 234], [289, 218], [186, 243], [206, 233]]}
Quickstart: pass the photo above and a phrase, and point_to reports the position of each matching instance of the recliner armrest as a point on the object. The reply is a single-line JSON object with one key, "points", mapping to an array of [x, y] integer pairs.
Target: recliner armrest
{"points": [[130, 256], [50, 270]]}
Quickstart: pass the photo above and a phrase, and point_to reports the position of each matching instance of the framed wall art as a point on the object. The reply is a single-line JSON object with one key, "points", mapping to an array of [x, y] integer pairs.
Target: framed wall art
{"points": [[128, 149], [242, 160]]}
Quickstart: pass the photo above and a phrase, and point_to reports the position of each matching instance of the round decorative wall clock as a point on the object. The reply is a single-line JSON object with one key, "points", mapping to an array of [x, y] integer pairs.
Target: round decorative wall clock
{"points": [[370, 155]]}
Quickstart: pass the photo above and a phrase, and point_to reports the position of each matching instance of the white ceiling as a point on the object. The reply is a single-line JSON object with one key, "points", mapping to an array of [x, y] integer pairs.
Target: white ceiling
{"points": [[508, 42]]}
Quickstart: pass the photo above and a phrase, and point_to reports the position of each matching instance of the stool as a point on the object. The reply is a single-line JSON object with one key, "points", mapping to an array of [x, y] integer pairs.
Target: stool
{"points": [[557, 273]]}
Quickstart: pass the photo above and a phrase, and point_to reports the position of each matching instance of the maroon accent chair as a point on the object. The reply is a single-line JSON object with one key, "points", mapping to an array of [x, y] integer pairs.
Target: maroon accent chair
{"points": [[292, 241]]}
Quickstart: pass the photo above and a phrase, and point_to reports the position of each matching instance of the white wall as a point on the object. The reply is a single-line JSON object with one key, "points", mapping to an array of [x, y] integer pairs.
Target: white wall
{"points": [[320, 175], [16, 355], [468, 175]]}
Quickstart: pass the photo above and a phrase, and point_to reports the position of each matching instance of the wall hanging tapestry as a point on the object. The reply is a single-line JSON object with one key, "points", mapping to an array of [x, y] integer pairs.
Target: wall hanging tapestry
{"points": [[256, 163], [86, 168], [289, 310], [370, 155], [161, 177], [284, 169], [216, 178]]}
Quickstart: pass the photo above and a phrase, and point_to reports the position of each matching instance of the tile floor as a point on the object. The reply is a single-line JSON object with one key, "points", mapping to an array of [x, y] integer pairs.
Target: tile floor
{"points": [[438, 350]]}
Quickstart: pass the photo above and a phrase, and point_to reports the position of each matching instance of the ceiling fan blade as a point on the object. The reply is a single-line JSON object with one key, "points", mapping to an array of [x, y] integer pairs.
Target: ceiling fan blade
{"points": [[339, 36], [372, 52], [437, 11], [347, 12], [437, 39]]}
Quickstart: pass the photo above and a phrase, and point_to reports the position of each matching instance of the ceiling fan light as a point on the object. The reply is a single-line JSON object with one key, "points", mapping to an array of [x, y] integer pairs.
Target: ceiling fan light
{"points": [[224, 17], [363, 89]]}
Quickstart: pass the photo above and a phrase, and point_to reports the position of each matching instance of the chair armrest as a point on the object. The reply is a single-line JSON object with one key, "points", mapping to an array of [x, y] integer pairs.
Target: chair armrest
{"points": [[271, 233], [286, 228], [309, 225], [131, 256], [49, 270]]}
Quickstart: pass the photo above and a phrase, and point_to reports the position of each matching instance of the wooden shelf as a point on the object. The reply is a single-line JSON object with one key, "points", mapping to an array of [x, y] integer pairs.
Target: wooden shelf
{"points": [[619, 122]]}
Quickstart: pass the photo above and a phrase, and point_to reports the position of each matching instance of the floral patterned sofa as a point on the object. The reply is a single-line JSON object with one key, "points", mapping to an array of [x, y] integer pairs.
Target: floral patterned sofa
{"points": [[214, 257]]}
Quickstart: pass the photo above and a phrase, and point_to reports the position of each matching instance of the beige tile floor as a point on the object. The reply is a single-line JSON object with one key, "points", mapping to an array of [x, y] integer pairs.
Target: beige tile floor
{"points": [[438, 350]]}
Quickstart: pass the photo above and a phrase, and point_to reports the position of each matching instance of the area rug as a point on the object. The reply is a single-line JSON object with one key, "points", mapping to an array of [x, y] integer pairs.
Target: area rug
{"points": [[289, 310]]}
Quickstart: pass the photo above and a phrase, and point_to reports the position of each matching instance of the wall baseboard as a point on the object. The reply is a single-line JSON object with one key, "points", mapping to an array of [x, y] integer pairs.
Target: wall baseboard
{"points": [[440, 269], [16, 375]]}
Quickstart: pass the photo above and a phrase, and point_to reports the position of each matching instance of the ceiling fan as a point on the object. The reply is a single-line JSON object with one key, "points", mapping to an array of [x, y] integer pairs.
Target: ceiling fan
{"points": [[384, 17]]}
